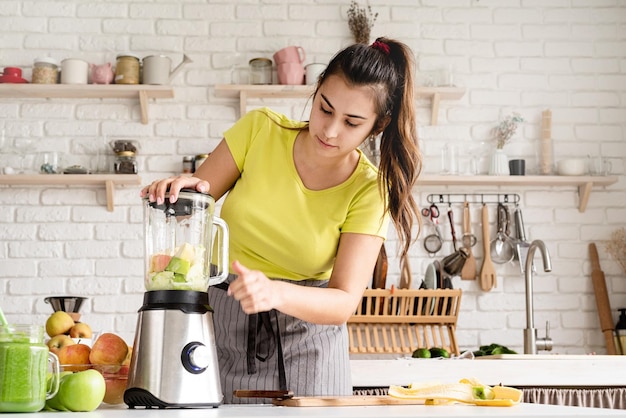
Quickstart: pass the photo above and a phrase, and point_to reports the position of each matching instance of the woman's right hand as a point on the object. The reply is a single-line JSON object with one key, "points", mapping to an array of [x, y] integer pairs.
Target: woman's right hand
{"points": [[157, 189]]}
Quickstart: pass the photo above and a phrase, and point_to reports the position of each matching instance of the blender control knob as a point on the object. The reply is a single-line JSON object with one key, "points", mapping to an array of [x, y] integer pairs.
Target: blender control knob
{"points": [[196, 357]]}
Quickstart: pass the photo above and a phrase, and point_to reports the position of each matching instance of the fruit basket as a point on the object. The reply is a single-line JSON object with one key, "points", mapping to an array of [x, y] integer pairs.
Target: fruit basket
{"points": [[399, 321]]}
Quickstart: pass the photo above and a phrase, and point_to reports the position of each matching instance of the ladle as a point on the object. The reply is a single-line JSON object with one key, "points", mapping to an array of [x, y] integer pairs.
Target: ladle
{"points": [[501, 248]]}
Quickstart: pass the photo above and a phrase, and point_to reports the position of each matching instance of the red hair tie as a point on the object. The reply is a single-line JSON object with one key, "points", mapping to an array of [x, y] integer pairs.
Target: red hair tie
{"points": [[381, 46]]}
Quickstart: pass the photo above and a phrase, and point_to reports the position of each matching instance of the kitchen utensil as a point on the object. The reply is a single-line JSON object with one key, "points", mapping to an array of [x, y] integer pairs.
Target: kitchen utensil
{"points": [[367, 400], [405, 273], [469, 240], [174, 357], [602, 299], [379, 281], [157, 69], [488, 270], [501, 248], [65, 303], [521, 245], [453, 263], [452, 231], [433, 242]]}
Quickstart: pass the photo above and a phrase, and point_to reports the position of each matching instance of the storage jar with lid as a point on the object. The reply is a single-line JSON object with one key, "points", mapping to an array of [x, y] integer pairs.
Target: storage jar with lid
{"points": [[127, 69], [260, 71], [45, 71], [125, 163]]}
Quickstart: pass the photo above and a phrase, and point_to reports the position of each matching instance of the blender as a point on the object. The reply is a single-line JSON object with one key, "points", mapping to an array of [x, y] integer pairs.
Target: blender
{"points": [[174, 359]]}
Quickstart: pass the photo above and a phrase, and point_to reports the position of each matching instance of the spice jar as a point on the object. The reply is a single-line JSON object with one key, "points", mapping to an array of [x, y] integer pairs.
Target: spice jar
{"points": [[125, 163], [188, 161], [199, 160], [260, 71], [127, 69], [45, 71]]}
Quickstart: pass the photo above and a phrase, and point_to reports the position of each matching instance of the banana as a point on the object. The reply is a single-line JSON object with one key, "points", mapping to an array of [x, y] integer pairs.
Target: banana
{"points": [[468, 390]]}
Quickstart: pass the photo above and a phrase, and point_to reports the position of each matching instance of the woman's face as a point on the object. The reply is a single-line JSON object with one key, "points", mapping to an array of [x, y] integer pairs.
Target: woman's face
{"points": [[342, 116]]}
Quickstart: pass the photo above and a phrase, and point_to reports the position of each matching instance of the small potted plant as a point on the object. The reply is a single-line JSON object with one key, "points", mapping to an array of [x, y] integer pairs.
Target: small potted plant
{"points": [[361, 21], [503, 132]]}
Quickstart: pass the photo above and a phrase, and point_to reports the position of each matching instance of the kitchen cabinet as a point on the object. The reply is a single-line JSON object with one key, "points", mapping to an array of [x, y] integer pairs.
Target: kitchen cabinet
{"points": [[245, 92], [583, 183], [109, 181], [89, 91]]}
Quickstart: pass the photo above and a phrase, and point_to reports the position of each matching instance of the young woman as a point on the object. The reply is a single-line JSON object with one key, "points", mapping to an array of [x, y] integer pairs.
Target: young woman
{"points": [[307, 214]]}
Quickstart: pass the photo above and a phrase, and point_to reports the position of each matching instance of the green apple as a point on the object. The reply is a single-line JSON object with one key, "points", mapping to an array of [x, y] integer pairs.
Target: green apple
{"points": [[82, 391], [54, 403]]}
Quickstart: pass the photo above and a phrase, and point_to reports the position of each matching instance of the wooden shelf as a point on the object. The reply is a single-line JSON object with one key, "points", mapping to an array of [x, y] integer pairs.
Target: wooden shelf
{"points": [[89, 91], [109, 181], [244, 92], [584, 183]]}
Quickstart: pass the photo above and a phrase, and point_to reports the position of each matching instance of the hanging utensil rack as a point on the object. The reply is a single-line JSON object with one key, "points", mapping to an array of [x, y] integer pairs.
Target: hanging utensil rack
{"points": [[484, 198]]}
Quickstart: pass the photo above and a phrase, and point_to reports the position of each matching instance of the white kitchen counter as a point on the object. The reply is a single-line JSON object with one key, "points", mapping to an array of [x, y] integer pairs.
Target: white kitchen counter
{"points": [[543, 370], [399, 411]]}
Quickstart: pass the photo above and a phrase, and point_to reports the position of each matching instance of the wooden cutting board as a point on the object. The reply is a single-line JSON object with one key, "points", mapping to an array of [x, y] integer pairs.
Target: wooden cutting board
{"points": [[365, 400]]}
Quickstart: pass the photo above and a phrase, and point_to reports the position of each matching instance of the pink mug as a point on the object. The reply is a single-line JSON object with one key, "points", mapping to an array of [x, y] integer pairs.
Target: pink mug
{"points": [[290, 54], [291, 73]]}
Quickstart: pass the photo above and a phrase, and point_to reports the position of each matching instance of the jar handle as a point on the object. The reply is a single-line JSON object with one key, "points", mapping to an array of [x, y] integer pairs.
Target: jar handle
{"points": [[56, 376], [222, 248]]}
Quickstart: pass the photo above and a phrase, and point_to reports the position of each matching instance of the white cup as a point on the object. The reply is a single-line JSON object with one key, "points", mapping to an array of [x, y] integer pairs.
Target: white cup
{"points": [[74, 71], [313, 72], [572, 167]]}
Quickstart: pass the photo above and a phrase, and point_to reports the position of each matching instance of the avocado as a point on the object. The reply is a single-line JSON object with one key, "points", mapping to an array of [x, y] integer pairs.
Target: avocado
{"points": [[439, 352]]}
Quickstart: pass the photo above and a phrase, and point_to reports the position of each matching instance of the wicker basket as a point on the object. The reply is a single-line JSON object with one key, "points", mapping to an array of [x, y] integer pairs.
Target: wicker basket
{"points": [[400, 321]]}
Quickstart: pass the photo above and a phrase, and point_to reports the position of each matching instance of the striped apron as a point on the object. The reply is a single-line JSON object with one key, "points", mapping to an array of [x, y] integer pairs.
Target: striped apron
{"points": [[314, 357]]}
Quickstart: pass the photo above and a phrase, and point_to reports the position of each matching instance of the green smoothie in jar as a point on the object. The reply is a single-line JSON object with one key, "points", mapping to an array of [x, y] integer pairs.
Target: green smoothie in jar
{"points": [[23, 369]]}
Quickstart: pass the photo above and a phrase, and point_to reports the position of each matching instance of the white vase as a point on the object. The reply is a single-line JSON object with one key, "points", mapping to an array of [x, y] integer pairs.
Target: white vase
{"points": [[499, 165]]}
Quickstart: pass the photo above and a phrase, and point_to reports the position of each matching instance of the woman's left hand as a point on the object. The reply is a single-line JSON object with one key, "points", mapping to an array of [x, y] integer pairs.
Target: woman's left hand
{"points": [[254, 291]]}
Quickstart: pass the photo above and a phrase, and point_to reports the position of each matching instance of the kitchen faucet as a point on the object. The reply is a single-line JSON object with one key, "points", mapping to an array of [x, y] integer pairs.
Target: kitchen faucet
{"points": [[531, 342]]}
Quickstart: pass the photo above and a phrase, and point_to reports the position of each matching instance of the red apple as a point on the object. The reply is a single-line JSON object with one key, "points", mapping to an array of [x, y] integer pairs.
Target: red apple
{"points": [[109, 348], [56, 343], [81, 330], [74, 355], [126, 361], [59, 323], [158, 262]]}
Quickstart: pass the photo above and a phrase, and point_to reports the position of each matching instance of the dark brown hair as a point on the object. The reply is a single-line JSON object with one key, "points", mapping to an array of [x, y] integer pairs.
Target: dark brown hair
{"points": [[387, 66]]}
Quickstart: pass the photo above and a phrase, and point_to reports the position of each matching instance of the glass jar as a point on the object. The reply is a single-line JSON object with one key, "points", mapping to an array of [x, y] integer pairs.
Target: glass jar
{"points": [[127, 69], [199, 160], [260, 71], [45, 71], [188, 161], [125, 163]]}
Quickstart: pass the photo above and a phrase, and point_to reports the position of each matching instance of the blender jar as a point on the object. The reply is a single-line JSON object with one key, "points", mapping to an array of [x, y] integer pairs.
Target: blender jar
{"points": [[182, 249]]}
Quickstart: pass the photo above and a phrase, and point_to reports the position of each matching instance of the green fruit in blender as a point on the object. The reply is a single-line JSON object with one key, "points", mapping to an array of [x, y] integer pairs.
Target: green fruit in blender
{"points": [[178, 265]]}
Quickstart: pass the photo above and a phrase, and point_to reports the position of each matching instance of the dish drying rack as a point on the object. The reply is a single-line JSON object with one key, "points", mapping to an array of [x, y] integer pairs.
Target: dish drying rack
{"points": [[398, 321]]}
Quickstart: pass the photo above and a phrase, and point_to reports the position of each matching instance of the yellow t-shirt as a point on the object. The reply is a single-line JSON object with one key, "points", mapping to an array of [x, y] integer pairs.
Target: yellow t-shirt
{"points": [[276, 224]]}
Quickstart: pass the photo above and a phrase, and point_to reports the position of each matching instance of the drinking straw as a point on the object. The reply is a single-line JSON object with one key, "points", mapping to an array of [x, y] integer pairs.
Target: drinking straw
{"points": [[3, 320]]}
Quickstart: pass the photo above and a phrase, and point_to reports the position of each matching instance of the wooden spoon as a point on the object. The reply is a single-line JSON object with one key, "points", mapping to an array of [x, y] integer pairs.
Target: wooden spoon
{"points": [[469, 268], [488, 270]]}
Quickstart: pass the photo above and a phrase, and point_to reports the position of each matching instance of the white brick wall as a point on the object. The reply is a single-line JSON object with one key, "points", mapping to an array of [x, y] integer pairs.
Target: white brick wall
{"points": [[568, 56]]}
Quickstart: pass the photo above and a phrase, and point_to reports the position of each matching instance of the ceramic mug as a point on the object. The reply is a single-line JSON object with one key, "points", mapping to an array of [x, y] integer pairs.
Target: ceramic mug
{"points": [[74, 71], [290, 54], [313, 72], [291, 73], [156, 69], [12, 72]]}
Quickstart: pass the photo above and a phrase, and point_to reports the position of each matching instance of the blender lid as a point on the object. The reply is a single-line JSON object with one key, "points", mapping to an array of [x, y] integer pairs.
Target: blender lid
{"points": [[188, 199]]}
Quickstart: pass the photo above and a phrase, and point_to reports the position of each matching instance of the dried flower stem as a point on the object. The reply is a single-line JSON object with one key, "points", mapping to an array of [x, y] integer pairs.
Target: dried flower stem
{"points": [[506, 128], [616, 247], [361, 21]]}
